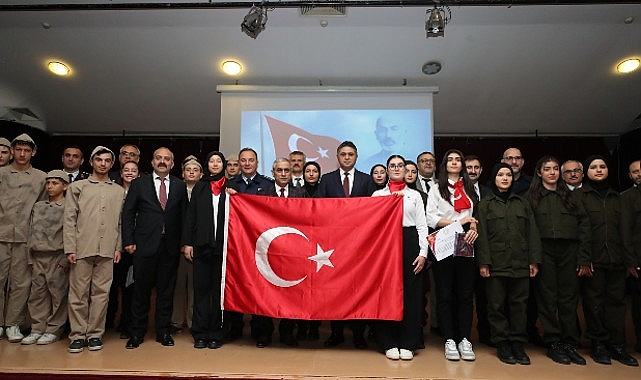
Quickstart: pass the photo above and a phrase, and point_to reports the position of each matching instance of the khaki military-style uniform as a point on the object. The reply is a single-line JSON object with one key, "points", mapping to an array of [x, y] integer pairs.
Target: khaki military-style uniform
{"points": [[19, 191], [50, 269], [91, 231]]}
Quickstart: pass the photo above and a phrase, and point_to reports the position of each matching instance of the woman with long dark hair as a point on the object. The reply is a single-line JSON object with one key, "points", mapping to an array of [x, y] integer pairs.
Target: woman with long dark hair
{"points": [[603, 280], [378, 173], [508, 252], [203, 241], [453, 201], [564, 228], [400, 339]]}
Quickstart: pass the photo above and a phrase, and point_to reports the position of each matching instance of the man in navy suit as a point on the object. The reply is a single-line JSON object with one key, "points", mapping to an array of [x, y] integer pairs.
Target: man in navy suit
{"points": [[249, 182], [346, 181], [151, 230], [282, 172]]}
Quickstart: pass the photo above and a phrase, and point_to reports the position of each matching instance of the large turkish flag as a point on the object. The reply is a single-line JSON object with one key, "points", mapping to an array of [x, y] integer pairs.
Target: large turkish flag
{"points": [[309, 258], [288, 138]]}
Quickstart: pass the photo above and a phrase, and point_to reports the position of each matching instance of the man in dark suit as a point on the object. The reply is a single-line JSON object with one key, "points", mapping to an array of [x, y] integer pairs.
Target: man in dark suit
{"points": [[72, 158], [248, 182], [282, 172], [151, 229], [346, 181]]}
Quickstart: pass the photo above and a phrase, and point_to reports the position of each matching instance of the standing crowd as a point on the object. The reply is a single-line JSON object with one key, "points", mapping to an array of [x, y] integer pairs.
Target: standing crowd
{"points": [[77, 249]]}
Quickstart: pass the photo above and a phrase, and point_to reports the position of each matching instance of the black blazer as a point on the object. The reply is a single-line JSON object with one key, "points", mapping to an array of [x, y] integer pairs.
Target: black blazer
{"points": [[292, 191], [198, 230], [331, 185], [143, 218]]}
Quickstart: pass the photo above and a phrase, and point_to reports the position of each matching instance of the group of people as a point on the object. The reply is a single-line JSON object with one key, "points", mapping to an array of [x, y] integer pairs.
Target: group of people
{"points": [[78, 246]]}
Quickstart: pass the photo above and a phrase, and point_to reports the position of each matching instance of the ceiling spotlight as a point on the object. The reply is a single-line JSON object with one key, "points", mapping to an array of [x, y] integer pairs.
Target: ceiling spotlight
{"points": [[254, 22], [58, 68], [436, 19], [629, 65], [232, 67]]}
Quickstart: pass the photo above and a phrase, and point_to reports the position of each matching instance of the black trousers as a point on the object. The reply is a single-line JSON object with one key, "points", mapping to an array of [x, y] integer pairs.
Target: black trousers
{"points": [[157, 271], [454, 277], [207, 318], [126, 293], [604, 305]]}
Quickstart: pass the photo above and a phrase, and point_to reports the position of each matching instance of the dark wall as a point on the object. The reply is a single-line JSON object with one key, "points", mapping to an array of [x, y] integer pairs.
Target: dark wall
{"points": [[619, 151]]}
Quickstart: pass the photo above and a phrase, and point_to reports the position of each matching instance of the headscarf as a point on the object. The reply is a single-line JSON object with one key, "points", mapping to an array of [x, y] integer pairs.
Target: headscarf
{"points": [[371, 174], [495, 190], [310, 188], [602, 186], [217, 181]]}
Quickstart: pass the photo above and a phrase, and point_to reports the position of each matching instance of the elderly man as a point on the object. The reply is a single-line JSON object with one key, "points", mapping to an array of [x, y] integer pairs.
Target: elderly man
{"points": [[572, 171], [128, 152], [151, 229], [21, 186]]}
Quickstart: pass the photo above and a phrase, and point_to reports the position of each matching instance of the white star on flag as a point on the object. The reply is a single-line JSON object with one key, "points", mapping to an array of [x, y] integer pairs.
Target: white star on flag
{"points": [[322, 257], [322, 152]]}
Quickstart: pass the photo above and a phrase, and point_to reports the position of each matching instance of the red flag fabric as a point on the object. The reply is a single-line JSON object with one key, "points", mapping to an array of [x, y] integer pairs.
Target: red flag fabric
{"points": [[288, 138], [314, 258]]}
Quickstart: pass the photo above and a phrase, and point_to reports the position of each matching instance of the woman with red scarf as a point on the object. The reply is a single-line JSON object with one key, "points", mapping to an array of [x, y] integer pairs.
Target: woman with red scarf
{"points": [[453, 201], [400, 339], [203, 245]]}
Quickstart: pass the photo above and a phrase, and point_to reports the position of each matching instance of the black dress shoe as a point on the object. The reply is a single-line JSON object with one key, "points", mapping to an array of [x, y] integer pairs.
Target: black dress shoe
{"points": [[599, 353], [165, 339], [557, 353], [505, 354], [214, 344], [133, 342], [360, 342], [617, 352], [200, 343], [574, 356], [334, 340], [262, 342], [519, 353]]}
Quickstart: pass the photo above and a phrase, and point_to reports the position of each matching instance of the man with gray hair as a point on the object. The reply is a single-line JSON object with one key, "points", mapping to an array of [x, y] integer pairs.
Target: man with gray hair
{"points": [[572, 172]]}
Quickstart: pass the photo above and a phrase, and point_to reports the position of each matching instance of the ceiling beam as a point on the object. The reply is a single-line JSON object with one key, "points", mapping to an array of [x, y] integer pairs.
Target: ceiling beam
{"points": [[212, 4]]}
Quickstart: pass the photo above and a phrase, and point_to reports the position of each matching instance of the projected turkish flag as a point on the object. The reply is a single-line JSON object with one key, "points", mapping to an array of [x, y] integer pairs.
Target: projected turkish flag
{"points": [[288, 138]]}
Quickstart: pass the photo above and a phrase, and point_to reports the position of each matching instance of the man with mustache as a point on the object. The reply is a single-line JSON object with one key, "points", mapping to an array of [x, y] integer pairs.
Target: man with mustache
{"points": [[151, 230], [572, 172]]}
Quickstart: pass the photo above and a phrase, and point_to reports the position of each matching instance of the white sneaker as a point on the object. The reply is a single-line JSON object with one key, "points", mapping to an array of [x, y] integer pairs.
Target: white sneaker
{"points": [[1, 332], [13, 334], [47, 338], [30, 339], [406, 354], [392, 354], [465, 348], [451, 353]]}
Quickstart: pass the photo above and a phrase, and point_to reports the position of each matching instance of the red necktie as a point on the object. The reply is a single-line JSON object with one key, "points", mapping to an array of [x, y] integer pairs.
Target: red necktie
{"points": [[346, 184], [162, 197]]}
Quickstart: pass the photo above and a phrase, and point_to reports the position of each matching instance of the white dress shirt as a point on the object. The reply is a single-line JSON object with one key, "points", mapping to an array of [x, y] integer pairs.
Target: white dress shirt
{"points": [[413, 214], [438, 208]]}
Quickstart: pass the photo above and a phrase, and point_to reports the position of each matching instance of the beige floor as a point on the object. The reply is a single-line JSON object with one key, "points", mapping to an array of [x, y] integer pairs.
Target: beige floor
{"points": [[310, 360]]}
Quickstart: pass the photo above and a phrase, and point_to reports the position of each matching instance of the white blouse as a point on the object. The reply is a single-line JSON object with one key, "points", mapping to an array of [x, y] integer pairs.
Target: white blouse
{"points": [[438, 208], [413, 214]]}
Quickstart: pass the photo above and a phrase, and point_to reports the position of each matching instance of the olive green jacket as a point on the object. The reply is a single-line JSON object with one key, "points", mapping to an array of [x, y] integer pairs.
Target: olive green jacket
{"points": [[631, 225], [605, 221], [555, 221], [508, 239]]}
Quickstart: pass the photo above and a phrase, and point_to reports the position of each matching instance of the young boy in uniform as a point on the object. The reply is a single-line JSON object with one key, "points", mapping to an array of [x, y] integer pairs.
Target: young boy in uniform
{"points": [[21, 186], [92, 243], [49, 267]]}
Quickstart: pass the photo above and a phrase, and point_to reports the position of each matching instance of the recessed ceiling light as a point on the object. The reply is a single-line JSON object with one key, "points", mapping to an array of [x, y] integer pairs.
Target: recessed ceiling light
{"points": [[432, 67], [59, 68], [629, 65], [232, 67]]}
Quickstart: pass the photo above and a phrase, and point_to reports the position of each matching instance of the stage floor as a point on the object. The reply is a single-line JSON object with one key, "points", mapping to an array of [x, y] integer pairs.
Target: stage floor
{"points": [[241, 359]]}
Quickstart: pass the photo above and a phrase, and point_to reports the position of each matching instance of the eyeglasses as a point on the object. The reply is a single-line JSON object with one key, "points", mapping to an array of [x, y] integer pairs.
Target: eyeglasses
{"points": [[128, 154], [513, 158], [575, 171], [427, 161], [396, 166]]}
